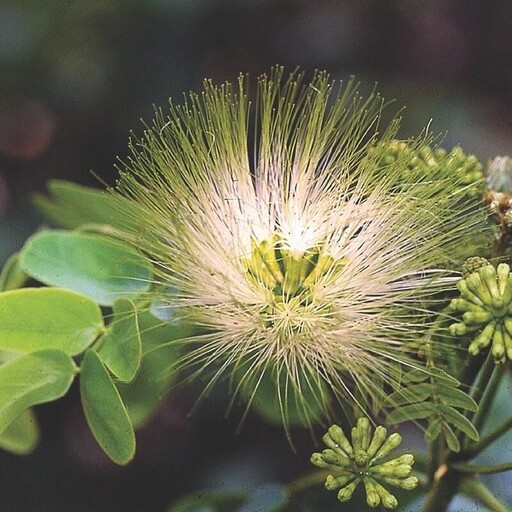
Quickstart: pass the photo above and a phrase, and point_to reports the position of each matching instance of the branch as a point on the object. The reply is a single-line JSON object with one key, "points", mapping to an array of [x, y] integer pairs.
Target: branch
{"points": [[464, 467], [477, 490]]}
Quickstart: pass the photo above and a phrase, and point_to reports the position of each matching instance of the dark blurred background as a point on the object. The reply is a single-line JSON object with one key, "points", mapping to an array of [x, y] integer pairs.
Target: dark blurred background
{"points": [[77, 76]]}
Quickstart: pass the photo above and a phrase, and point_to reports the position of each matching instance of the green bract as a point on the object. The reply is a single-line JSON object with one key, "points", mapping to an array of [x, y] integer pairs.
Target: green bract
{"points": [[365, 459], [486, 304]]}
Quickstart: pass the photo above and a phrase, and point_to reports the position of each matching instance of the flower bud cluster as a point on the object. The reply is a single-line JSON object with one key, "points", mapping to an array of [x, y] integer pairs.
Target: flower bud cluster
{"points": [[366, 460], [486, 304], [467, 167]]}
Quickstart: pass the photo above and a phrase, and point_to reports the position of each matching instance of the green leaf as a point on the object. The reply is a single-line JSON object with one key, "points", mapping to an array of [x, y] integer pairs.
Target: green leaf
{"points": [[439, 374], [121, 348], [455, 398], [411, 412], [98, 267], [143, 394], [415, 376], [215, 501], [22, 435], [33, 319], [71, 205], [105, 411], [33, 379], [458, 421], [451, 439], [12, 276], [412, 394], [434, 429]]}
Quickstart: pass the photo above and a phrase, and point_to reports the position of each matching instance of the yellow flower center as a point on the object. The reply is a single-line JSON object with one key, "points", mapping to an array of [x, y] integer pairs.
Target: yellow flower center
{"points": [[289, 278]]}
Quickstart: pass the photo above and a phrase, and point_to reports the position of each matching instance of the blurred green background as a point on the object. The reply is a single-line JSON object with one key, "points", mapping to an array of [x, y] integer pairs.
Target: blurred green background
{"points": [[77, 76]]}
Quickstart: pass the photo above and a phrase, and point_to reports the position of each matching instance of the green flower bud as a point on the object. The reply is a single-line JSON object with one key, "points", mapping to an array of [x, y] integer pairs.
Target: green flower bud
{"points": [[477, 317], [489, 278], [392, 442], [467, 294], [484, 338], [387, 467], [473, 349], [464, 305], [318, 460], [333, 458], [406, 458], [408, 484], [335, 447], [476, 285], [457, 329], [345, 493], [337, 435], [503, 273], [388, 500], [356, 435], [378, 439], [361, 458], [332, 483], [372, 496], [498, 344], [363, 425], [398, 470]]}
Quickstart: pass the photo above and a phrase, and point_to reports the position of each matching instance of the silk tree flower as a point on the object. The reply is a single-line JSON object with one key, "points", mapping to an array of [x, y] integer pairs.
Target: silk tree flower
{"points": [[302, 257]]}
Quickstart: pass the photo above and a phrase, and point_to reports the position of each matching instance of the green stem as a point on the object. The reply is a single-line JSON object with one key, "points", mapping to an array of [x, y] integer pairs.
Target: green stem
{"points": [[446, 479], [476, 448], [483, 378], [305, 482], [477, 490], [488, 397], [470, 369], [464, 467]]}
